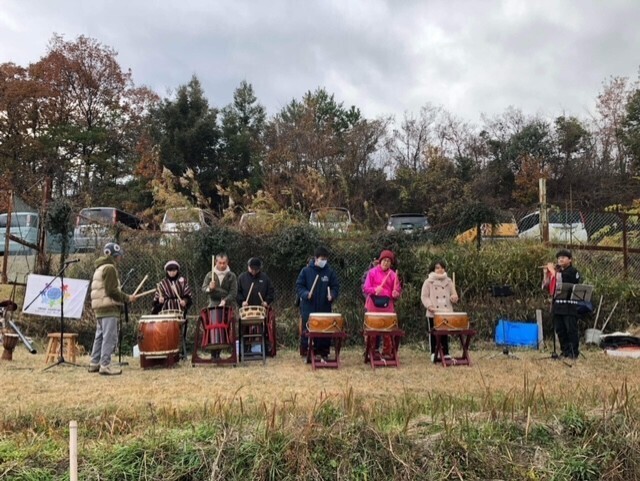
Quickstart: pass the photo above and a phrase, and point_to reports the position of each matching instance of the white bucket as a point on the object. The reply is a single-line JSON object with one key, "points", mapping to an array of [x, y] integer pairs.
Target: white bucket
{"points": [[592, 336]]}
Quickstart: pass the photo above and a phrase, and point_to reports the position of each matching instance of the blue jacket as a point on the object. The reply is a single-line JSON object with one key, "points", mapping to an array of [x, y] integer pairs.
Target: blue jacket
{"points": [[318, 302]]}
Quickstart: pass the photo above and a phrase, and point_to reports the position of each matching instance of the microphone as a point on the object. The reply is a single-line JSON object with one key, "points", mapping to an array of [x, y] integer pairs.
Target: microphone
{"points": [[73, 261]]}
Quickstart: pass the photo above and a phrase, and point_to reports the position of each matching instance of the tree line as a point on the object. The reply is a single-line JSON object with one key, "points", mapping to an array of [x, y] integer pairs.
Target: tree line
{"points": [[74, 124]]}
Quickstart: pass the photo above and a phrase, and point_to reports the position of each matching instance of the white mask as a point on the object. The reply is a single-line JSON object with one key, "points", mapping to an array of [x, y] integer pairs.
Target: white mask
{"points": [[321, 263]]}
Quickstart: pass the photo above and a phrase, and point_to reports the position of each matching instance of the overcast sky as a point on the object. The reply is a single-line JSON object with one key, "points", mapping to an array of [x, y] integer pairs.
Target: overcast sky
{"points": [[546, 57]]}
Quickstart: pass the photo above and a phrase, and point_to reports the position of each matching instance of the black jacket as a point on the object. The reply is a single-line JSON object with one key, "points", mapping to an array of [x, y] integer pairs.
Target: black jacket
{"points": [[562, 303], [261, 284]]}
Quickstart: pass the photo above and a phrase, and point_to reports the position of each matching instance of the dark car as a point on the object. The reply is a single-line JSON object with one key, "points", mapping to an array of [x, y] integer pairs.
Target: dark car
{"points": [[408, 223]]}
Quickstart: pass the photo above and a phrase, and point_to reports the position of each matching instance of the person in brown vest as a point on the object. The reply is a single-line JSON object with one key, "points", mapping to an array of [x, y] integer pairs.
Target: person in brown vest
{"points": [[106, 300]]}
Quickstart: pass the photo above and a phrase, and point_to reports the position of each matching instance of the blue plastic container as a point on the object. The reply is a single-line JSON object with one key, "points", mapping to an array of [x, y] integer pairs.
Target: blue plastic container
{"points": [[523, 334]]}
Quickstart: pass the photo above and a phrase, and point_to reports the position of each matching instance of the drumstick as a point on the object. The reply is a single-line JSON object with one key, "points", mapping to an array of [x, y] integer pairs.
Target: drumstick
{"points": [[250, 289], [146, 293], [213, 265], [260, 296], [453, 279], [328, 292], [385, 278], [140, 285], [313, 286]]}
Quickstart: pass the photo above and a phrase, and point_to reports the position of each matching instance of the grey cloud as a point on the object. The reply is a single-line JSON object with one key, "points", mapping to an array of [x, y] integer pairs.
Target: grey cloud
{"points": [[385, 57]]}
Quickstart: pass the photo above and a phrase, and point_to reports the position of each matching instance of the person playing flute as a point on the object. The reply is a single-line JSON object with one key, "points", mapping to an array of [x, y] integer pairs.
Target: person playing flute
{"points": [[559, 279]]}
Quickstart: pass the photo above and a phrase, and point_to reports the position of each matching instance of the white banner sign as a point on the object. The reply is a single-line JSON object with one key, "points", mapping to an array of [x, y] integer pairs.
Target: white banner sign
{"points": [[47, 300]]}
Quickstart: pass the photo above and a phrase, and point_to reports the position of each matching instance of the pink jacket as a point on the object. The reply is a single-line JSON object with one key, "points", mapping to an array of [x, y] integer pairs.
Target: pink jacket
{"points": [[375, 277]]}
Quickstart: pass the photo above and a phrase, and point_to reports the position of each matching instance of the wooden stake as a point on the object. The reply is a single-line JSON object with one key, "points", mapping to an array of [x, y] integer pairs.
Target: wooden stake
{"points": [[595, 323], [73, 450], [609, 316], [140, 285]]}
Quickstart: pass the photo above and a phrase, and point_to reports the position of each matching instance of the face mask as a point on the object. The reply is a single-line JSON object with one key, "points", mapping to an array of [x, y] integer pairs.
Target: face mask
{"points": [[321, 263]]}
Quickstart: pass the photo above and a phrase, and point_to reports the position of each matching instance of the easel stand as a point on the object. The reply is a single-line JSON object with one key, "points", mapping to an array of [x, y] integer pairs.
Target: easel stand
{"points": [[60, 274], [502, 292]]}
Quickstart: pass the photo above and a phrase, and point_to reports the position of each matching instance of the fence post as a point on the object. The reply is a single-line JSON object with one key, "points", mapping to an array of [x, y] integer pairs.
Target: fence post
{"points": [[625, 248], [544, 221]]}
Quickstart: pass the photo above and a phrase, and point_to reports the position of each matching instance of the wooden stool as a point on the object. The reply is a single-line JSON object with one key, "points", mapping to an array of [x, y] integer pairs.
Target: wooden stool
{"points": [[465, 336], [329, 362], [371, 354], [70, 341], [252, 333]]}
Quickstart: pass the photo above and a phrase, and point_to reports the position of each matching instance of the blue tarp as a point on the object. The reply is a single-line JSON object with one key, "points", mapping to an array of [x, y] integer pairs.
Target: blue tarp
{"points": [[517, 333]]}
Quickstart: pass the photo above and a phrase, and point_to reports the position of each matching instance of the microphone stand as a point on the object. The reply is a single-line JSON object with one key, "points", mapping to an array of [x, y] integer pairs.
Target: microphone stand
{"points": [[60, 274], [126, 320]]}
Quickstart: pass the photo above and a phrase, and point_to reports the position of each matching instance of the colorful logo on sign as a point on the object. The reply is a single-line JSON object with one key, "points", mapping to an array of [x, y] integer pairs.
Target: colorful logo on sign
{"points": [[52, 296]]}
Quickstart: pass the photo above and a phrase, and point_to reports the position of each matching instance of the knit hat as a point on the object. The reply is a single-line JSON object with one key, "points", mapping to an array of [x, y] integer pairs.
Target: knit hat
{"points": [[172, 264], [564, 253], [255, 263], [387, 254], [112, 249]]}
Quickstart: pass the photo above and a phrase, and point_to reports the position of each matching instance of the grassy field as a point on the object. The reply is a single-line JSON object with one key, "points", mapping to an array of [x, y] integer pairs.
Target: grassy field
{"points": [[531, 418]]}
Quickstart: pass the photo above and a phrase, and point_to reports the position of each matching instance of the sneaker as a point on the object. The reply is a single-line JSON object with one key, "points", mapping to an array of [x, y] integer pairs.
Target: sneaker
{"points": [[433, 358], [109, 371], [324, 359], [447, 357], [94, 368]]}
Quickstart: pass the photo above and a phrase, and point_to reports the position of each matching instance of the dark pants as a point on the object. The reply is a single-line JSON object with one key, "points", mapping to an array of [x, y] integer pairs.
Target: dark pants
{"points": [[432, 340], [566, 326], [321, 346]]}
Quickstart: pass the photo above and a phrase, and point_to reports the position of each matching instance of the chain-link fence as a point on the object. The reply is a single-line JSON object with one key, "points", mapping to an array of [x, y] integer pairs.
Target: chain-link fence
{"points": [[603, 260]]}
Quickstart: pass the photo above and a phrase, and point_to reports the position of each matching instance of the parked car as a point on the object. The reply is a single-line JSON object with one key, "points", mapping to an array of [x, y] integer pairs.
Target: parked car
{"points": [[408, 222], [185, 219], [332, 219], [250, 220], [95, 225], [25, 225], [564, 226]]}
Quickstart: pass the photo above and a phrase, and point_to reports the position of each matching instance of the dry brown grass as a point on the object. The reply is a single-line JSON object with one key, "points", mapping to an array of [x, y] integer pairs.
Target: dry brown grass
{"points": [[286, 379]]}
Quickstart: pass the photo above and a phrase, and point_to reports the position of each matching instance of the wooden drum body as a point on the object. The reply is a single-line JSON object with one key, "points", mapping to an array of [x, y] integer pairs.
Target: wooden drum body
{"points": [[451, 321], [325, 322], [159, 335], [217, 325], [253, 314], [9, 342], [380, 321]]}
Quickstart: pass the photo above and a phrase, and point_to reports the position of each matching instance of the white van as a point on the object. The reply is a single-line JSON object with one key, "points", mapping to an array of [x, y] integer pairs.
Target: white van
{"points": [[185, 219], [331, 219], [566, 227]]}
